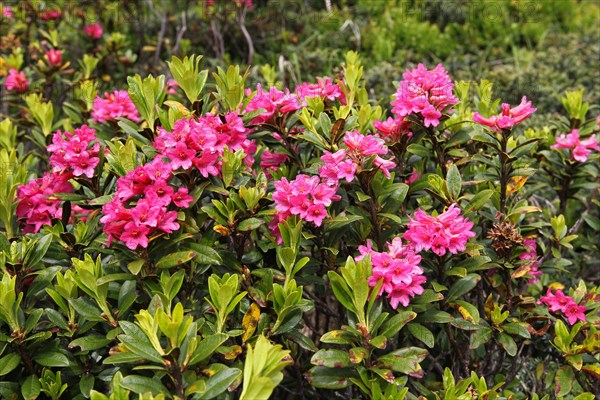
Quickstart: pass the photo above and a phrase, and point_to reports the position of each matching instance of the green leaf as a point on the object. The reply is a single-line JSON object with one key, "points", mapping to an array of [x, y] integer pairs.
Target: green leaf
{"points": [[205, 254], [250, 224], [564, 381], [31, 388], [479, 200], [207, 347], [453, 182], [331, 358], [142, 384], [91, 342], [339, 337], [136, 341], [404, 360], [422, 333], [462, 287], [40, 251], [393, 325], [435, 316], [176, 259], [51, 359], [517, 328], [480, 337], [86, 384], [136, 266], [9, 363], [329, 378], [219, 382], [341, 290], [86, 309], [508, 344]]}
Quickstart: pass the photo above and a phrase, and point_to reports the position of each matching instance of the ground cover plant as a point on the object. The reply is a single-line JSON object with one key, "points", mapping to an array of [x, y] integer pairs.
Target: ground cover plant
{"points": [[175, 226]]}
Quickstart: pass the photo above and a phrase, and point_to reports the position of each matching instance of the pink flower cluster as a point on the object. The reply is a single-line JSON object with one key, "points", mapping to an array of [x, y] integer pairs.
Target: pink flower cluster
{"points": [[398, 268], [114, 105], [16, 81], [93, 31], [75, 151], [508, 118], [274, 102], [531, 255], [324, 88], [344, 164], [305, 196], [559, 302], [393, 130], [448, 231], [141, 204], [36, 205], [200, 142], [425, 92], [581, 149]]}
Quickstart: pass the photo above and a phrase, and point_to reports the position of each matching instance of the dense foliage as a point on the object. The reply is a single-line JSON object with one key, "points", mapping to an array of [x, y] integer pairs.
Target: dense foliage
{"points": [[375, 230]]}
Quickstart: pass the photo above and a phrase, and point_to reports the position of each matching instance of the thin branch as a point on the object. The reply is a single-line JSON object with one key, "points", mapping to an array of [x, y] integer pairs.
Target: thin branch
{"points": [[181, 31], [163, 31], [241, 19]]}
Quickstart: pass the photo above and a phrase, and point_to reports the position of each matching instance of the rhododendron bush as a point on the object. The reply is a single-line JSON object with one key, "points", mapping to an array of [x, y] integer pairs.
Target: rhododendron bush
{"points": [[194, 235]]}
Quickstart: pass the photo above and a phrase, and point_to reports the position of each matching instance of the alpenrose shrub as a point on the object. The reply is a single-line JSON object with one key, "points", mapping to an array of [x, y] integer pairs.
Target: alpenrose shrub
{"points": [[197, 238]]}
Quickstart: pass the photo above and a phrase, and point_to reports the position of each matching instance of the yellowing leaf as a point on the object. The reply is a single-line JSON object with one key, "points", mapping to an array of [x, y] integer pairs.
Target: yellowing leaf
{"points": [[515, 183], [250, 321], [233, 352], [556, 286], [183, 109]]}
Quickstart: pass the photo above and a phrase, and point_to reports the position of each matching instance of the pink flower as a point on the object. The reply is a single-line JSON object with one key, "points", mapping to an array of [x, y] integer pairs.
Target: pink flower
{"points": [[531, 254], [76, 152], [448, 231], [413, 177], [171, 86], [16, 81], [181, 198], [424, 92], [145, 213], [274, 102], [135, 235], [49, 15], [54, 57], [36, 206], [141, 204], [393, 129], [509, 117], [558, 301], [398, 269], [181, 156], [324, 88], [203, 141], [581, 149], [270, 161], [344, 164], [305, 196], [114, 105], [7, 12], [94, 31], [574, 312]]}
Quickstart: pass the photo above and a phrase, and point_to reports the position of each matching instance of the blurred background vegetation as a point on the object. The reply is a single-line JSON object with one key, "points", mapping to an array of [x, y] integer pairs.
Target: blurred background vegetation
{"points": [[536, 48]]}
